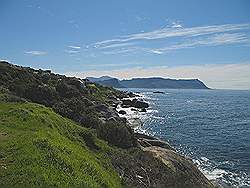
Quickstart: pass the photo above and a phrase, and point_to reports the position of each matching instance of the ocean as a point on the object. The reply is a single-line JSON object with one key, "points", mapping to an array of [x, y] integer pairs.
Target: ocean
{"points": [[210, 126]]}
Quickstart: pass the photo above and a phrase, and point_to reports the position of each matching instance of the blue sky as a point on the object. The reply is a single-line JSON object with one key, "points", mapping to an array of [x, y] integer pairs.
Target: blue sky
{"points": [[209, 40]]}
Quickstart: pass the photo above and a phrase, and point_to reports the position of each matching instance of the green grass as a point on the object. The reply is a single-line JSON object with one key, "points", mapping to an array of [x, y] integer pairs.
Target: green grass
{"points": [[39, 148]]}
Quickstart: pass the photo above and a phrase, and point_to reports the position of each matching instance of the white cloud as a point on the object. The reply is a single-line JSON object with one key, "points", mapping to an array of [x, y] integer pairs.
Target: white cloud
{"points": [[210, 40], [35, 53], [213, 40], [220, 76], [115, 45], [191, 37], [177, 32], [75, 47], [176, 25], [71, 51], [124, 50], [157, 51]]}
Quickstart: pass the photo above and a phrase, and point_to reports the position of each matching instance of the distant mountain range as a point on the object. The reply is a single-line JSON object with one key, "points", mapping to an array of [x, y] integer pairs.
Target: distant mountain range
{"points": [[154, 82]]}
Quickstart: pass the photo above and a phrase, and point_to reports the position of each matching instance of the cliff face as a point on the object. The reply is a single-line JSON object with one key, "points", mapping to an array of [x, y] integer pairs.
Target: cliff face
{"points": [[41, 137]]}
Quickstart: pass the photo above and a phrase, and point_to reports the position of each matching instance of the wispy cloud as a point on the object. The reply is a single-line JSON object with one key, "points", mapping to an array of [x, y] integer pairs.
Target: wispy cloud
{"points": [[213, 40], [72, 51], [75, 47], [176, 25], [210, 40], [190, 37], [114, 45], [35, 53], [132, 49], [178, 32]]}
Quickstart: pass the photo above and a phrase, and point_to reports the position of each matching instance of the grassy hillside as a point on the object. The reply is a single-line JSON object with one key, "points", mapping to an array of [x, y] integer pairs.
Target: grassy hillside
{"points": [[40, 148], [58, 131], [90, 105]]}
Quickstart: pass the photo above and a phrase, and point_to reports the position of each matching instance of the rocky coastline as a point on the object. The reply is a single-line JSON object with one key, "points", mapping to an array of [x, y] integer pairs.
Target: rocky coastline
{"points": [[158, 148], [135, 103], [100, 128]]}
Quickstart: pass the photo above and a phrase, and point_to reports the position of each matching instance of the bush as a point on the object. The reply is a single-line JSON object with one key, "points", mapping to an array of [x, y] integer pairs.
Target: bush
{"points": [[6, 96], [77, 110], [41, 94], [4, 90], [89, 138], [67, 91], [10, 98], [117, 134]]}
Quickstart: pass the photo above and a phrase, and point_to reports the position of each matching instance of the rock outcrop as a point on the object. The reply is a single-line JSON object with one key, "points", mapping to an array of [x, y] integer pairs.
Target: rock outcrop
{"points": [[134, 103], [179, 171], [148, 141]]}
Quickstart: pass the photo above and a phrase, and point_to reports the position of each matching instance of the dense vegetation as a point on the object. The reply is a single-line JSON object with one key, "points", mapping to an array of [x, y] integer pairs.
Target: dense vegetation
{"points": [[89, 104]]}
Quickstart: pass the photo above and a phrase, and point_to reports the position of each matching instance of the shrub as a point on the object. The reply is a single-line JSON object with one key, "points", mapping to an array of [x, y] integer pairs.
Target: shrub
{"points": [[67, 91], [89, 138], [117, 134], [41, 94]]}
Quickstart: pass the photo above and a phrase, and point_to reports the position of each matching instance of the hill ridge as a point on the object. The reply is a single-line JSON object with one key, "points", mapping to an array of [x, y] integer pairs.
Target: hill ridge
{"points": [[150, 82]]}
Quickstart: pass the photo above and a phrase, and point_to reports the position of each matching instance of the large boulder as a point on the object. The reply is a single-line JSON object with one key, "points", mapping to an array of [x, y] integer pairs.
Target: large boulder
{"points": [[180, 171], [127, 102], [122, 112], [154, 142], [134, 103], [139, 104], [156, 167], [148, 141]]}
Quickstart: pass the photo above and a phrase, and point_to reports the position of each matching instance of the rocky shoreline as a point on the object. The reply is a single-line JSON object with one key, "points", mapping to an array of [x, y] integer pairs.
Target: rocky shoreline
{"points": [[139, 160], [158, 148], [136, 104]]}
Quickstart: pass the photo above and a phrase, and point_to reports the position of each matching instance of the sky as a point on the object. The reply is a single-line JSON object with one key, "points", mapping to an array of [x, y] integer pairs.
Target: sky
{"points": [[208, 40]]}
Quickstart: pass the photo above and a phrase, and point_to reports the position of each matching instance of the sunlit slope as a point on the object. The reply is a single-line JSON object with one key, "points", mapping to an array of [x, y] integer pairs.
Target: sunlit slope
{"points": [[40, 148]]}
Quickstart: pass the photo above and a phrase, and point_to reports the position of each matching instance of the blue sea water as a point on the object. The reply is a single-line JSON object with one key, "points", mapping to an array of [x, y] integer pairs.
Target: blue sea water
{"points": [[210, 126]]}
